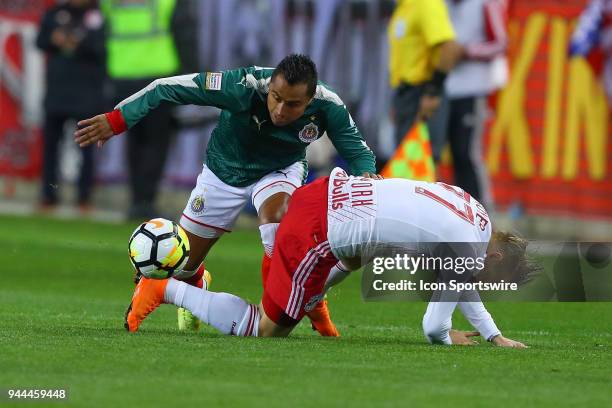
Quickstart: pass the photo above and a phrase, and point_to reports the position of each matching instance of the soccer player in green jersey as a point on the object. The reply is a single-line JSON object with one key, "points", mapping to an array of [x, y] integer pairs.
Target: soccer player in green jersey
{"points": [[257, 151]]}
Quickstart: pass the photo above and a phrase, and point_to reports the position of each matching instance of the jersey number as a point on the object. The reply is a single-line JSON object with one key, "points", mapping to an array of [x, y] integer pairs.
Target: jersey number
{"points": [[465, 214]]}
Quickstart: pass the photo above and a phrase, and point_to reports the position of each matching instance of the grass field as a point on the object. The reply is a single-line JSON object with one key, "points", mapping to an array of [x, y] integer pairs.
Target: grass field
{"points": [[65, 286]]}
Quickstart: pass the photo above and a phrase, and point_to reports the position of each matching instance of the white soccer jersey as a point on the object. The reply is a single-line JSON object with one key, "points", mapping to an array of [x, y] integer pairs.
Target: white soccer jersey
{"points": [[366, 217], [351, 214], [364, 214]]}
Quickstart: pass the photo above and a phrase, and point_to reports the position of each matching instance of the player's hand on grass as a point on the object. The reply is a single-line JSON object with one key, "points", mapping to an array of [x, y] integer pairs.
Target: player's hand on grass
{"points": [[501, 341], [372, 176], [463, 338], [93, 130]]}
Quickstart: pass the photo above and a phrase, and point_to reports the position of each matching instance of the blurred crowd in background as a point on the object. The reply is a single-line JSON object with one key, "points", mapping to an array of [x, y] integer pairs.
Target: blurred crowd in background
{"points": [[394, 64]]}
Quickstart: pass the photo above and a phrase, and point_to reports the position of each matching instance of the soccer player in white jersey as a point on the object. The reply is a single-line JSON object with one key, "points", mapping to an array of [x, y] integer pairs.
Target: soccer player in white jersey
{"points": [[332, 226]]}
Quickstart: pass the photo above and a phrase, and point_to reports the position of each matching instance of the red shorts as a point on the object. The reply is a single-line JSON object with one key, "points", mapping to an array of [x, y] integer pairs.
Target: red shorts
{"points": [[302, 257]]}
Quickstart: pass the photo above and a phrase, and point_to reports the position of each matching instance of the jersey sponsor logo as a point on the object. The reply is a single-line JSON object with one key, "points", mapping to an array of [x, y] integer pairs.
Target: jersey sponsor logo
{"points": [[312, 303], [213, 81], [197, 204], [309, 133]]}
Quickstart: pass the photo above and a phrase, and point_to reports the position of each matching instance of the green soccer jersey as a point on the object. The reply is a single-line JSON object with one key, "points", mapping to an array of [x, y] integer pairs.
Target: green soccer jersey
{"points": [[245, 145]]}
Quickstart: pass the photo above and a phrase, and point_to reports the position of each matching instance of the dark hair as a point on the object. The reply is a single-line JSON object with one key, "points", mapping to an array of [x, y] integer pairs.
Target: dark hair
{"points": [[298, 69]]}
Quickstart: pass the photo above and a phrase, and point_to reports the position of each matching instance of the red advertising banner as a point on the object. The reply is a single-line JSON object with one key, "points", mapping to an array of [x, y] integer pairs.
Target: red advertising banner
{"points": [[548, 147], [21, 87]]}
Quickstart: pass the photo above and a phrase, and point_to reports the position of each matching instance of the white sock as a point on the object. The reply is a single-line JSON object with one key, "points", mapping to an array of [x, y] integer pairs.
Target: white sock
{"points": [[225, 312], [337, 274], [268, 233]]}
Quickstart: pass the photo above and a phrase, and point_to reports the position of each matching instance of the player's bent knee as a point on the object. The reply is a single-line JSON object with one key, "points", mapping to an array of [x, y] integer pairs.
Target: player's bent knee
{"points": [[269, 328], [435, 331]]}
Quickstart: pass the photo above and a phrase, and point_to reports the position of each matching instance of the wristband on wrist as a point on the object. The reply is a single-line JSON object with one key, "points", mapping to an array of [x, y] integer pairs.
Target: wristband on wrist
{"points": [[116, 121], [435, 85]]}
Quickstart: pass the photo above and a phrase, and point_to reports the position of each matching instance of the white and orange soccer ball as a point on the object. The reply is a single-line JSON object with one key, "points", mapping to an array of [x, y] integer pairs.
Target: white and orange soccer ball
{"points": [[158, 248]]}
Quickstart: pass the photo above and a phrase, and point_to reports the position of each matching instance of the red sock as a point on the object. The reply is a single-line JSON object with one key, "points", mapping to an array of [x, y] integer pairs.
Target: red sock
{"points": [[265, 269], [196, 280]]}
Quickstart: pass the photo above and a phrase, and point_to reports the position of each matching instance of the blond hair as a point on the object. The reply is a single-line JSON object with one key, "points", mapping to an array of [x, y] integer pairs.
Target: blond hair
{"points": [[514, 256]]}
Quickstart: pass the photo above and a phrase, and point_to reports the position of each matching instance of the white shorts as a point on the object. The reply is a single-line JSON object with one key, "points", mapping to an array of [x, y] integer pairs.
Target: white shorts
{"points": [[214, 206]]}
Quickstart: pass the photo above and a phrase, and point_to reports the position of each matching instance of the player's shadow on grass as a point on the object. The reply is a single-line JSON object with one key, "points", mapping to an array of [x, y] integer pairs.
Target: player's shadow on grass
{"points": [[154, 333], [208, 334]]}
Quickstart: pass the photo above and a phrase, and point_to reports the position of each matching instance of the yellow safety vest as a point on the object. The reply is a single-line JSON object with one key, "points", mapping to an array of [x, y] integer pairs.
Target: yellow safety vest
{"points": [[139, 42]]}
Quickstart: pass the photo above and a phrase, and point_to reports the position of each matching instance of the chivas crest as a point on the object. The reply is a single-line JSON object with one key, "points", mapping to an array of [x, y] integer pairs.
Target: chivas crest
{"points": [[309, 133]]}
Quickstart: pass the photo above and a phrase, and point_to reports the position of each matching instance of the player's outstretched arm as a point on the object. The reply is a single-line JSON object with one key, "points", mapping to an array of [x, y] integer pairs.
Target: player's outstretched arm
{"points": [[93, 130], [224, 90]]}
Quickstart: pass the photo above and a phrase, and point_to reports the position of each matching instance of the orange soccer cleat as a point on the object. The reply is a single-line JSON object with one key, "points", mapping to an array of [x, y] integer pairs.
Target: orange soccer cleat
{"points": [[147, 297], [321, 322]]}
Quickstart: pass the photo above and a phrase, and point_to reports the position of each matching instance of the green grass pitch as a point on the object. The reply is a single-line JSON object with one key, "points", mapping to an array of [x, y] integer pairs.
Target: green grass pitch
{"points": [[65, 285]]}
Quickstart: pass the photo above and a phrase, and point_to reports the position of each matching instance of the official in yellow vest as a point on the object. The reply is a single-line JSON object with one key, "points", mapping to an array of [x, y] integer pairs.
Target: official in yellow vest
{"points": [[140, 42], [142, 45], [422, 51]]}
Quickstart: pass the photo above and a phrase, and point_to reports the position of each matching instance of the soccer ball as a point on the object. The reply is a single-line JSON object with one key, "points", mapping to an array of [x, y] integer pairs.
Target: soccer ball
{"points": [[158, 248]]}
